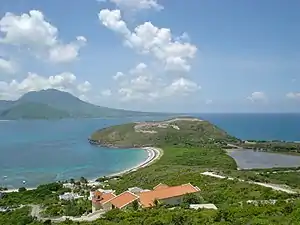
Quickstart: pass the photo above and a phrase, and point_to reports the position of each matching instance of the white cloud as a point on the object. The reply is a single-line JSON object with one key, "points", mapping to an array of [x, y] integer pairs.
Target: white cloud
{"points": [[293, 95], [148, 39], [258, 96], [34, 82], [7, 66], [140, 68], [143, 85], [118, 75], [182, 86], [135, 5], [106, 92], [36, 34]]}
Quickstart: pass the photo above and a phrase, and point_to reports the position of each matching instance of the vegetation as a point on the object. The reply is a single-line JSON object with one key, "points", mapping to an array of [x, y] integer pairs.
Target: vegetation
{"points": [[195, 147], [273, 146], [188, 134], [44, 195]]}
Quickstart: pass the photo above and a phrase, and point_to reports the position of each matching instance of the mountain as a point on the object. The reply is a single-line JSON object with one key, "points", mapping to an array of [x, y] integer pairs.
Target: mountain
{"points": [[53, 104], [32, 110]]}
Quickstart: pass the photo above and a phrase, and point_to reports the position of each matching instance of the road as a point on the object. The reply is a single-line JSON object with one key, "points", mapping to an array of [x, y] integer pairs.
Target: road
{"points": [[273, 186], [36, 212]]}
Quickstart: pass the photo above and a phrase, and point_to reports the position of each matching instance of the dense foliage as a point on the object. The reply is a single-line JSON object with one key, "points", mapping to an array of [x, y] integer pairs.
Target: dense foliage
{"points": [[273, 146]]}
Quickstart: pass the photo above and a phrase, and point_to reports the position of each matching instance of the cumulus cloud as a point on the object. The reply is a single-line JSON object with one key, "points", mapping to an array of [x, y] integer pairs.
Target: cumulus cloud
{"points": [[143, 85], [7, 66], [174, 53], [293, 95], [118, 75], [258, 96], [38, 35], [106, 93], [136, 5], [33, 82]]}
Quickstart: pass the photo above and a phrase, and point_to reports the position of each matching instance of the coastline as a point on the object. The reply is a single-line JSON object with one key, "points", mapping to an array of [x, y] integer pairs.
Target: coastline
{"points": [[154, 154]]}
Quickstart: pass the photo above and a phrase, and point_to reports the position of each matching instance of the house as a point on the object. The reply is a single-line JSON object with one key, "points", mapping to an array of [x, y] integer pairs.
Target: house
{"points": [[2, 195], [146, 198], [121, 201], [137, 190], [100, 198], [69, 196], [167, 195]]}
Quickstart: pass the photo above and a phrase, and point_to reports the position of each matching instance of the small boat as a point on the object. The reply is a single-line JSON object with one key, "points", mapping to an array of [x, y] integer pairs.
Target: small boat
{"points": [[24, 181], [4, 177]]}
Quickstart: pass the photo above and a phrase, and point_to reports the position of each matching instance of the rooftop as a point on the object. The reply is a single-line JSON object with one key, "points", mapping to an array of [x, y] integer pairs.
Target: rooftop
{"points": [[123, 199], [163, 192]]}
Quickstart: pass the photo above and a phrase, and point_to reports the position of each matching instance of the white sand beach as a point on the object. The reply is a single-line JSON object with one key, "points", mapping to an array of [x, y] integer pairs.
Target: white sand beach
{"points": [[153, 155]]}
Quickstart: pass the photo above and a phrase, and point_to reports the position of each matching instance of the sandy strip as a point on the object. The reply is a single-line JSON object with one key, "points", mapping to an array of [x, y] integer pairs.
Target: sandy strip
{"points": [[153, 155]]}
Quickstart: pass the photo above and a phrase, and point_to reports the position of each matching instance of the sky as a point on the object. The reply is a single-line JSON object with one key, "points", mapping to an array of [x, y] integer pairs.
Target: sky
{"points": [[155, 55]]}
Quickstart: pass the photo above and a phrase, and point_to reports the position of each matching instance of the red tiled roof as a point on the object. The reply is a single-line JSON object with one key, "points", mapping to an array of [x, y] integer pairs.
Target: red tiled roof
{"points": [[102, 198], [123, 199], [147, 198]]}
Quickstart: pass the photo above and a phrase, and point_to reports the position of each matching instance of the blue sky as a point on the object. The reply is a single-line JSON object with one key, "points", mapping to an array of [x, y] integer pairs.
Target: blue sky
{"points": [[213, 56]]}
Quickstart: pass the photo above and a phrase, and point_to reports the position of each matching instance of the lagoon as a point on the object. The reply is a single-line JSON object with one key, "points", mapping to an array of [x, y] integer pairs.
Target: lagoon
{"points": [[250, 159]]}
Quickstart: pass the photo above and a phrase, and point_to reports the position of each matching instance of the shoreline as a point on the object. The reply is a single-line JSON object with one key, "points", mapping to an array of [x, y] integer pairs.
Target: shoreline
{"points": [[154, 154]]}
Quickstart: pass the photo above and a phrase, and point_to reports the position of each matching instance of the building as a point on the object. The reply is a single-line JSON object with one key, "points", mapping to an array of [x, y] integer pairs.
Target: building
{"points": [[121, 201], [69, 196], [161, 193], [100, 198], [166, 195]]}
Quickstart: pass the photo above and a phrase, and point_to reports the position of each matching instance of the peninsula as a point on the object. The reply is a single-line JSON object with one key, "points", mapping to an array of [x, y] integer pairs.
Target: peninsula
{"points": [[194, 157]]}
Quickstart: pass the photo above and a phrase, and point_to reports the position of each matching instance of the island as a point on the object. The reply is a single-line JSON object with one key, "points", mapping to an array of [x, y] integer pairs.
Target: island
{"points": [[193, 160]]}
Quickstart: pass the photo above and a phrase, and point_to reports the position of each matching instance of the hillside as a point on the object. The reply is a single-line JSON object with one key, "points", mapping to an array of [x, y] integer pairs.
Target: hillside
{"points": [[53, 104], [33, 111], [178, 131]]}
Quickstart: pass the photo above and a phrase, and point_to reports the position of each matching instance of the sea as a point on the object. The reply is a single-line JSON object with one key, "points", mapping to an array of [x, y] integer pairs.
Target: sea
{"points": [[42, 151]]}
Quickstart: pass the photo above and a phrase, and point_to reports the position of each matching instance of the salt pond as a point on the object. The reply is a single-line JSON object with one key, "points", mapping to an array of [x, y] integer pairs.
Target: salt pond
{"points": [[249, 159]]}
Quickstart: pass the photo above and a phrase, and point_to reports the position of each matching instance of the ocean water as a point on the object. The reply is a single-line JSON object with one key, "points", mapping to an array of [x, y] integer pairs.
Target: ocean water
{"points": [[258, 126], [44, 151]]}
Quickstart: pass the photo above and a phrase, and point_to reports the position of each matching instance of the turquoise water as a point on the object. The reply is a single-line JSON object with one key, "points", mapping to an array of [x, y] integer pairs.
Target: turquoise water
{"points": [[45, 151]]}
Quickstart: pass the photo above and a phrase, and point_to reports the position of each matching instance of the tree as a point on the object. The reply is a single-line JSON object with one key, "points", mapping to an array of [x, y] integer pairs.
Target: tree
{"points": [[72, 181], [22, 189], [83, 180], [135, 205], [192, 199]]}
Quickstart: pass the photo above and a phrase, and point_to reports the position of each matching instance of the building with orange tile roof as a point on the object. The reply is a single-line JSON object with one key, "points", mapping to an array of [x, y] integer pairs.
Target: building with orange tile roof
{"points": [[100, 198], [121, 201], [168, 195]]}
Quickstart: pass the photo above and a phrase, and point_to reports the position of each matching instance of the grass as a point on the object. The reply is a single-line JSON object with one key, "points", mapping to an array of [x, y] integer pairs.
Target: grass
{"points": [[184, 165]]}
